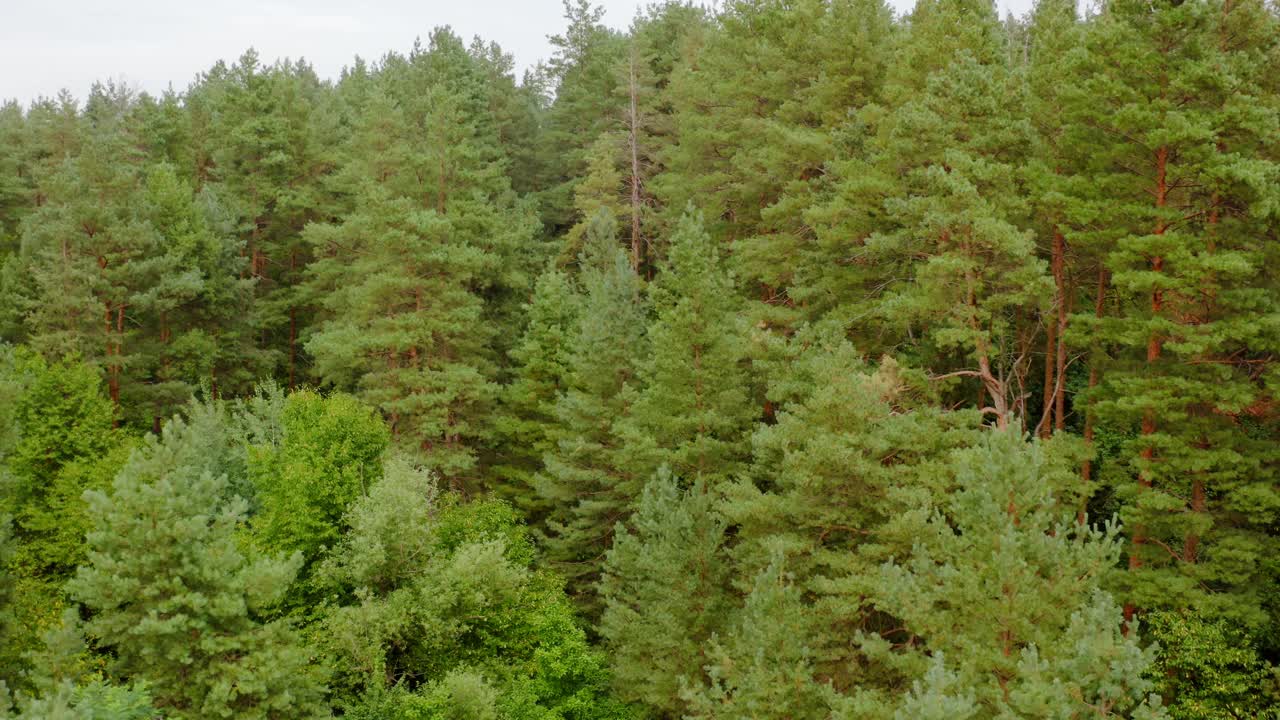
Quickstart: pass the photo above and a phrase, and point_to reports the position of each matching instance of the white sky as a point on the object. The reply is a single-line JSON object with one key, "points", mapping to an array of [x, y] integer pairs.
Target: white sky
{"points": [[47, 45]]}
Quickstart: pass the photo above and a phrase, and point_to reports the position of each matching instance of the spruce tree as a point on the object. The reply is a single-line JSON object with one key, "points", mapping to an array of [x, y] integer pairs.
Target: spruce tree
{"points": [[585, 482], [696, 407], [528, 429]]}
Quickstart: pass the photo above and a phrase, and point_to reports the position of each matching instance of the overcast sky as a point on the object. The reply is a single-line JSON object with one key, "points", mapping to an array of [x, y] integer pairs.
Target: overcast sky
{"points": [[46, 45]]}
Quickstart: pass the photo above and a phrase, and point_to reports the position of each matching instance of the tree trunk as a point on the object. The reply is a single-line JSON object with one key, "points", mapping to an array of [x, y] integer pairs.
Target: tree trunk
{"points": [[1099, 306], [1064, 303], [1155, 345], [634, 141], [1045, 426], [293, 324]]}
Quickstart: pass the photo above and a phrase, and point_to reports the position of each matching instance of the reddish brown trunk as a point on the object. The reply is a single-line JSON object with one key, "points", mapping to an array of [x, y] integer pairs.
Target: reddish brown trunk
{"points": [[1155, 344]]}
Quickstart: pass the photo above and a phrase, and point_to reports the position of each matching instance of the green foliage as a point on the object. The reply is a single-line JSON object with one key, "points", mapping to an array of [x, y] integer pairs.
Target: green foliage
{"points": [[695, 409], [328, 454], [61, 416], [527, 429], [660, 375], [64, 684], [10, 667], [586, 481], [95, 700], [1005, 578], [664, 591], [1207, 669], [57, 442], [174, 597], [762, 666], [450, 595], [415, 281], [1171, 199]]}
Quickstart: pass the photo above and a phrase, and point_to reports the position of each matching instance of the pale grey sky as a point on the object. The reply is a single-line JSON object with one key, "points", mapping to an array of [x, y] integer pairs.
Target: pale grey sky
{"points": [[46, 45]]}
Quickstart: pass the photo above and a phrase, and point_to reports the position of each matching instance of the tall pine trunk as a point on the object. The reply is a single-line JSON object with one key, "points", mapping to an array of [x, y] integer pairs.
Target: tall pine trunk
{"points": [[1155, 346]]}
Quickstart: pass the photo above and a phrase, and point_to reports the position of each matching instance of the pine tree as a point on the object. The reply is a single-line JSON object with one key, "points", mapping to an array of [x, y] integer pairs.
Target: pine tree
{"points": [[957, 262], [195, 314], [760, 109], [1054, 29], [17, 187], [412, 279], [88, 251], [583, 69], [259, 143], [625, 160], [852, 447], [1175, 185], [664, 592], [1005, 578], [763, 666], [175, 598]]}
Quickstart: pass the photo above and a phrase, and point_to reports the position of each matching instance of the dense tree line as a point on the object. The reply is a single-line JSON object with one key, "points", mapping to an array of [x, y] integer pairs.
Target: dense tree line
{"points": [[789, 360]]}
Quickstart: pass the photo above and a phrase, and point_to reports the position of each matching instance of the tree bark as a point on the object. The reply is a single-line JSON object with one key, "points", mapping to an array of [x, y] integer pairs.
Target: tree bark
{"points": [[1155, 346], [634, 142], [1064, 303]]}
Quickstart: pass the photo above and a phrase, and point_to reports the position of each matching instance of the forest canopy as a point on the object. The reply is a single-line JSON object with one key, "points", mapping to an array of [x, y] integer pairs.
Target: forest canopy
{"points": [[789, 360]]}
